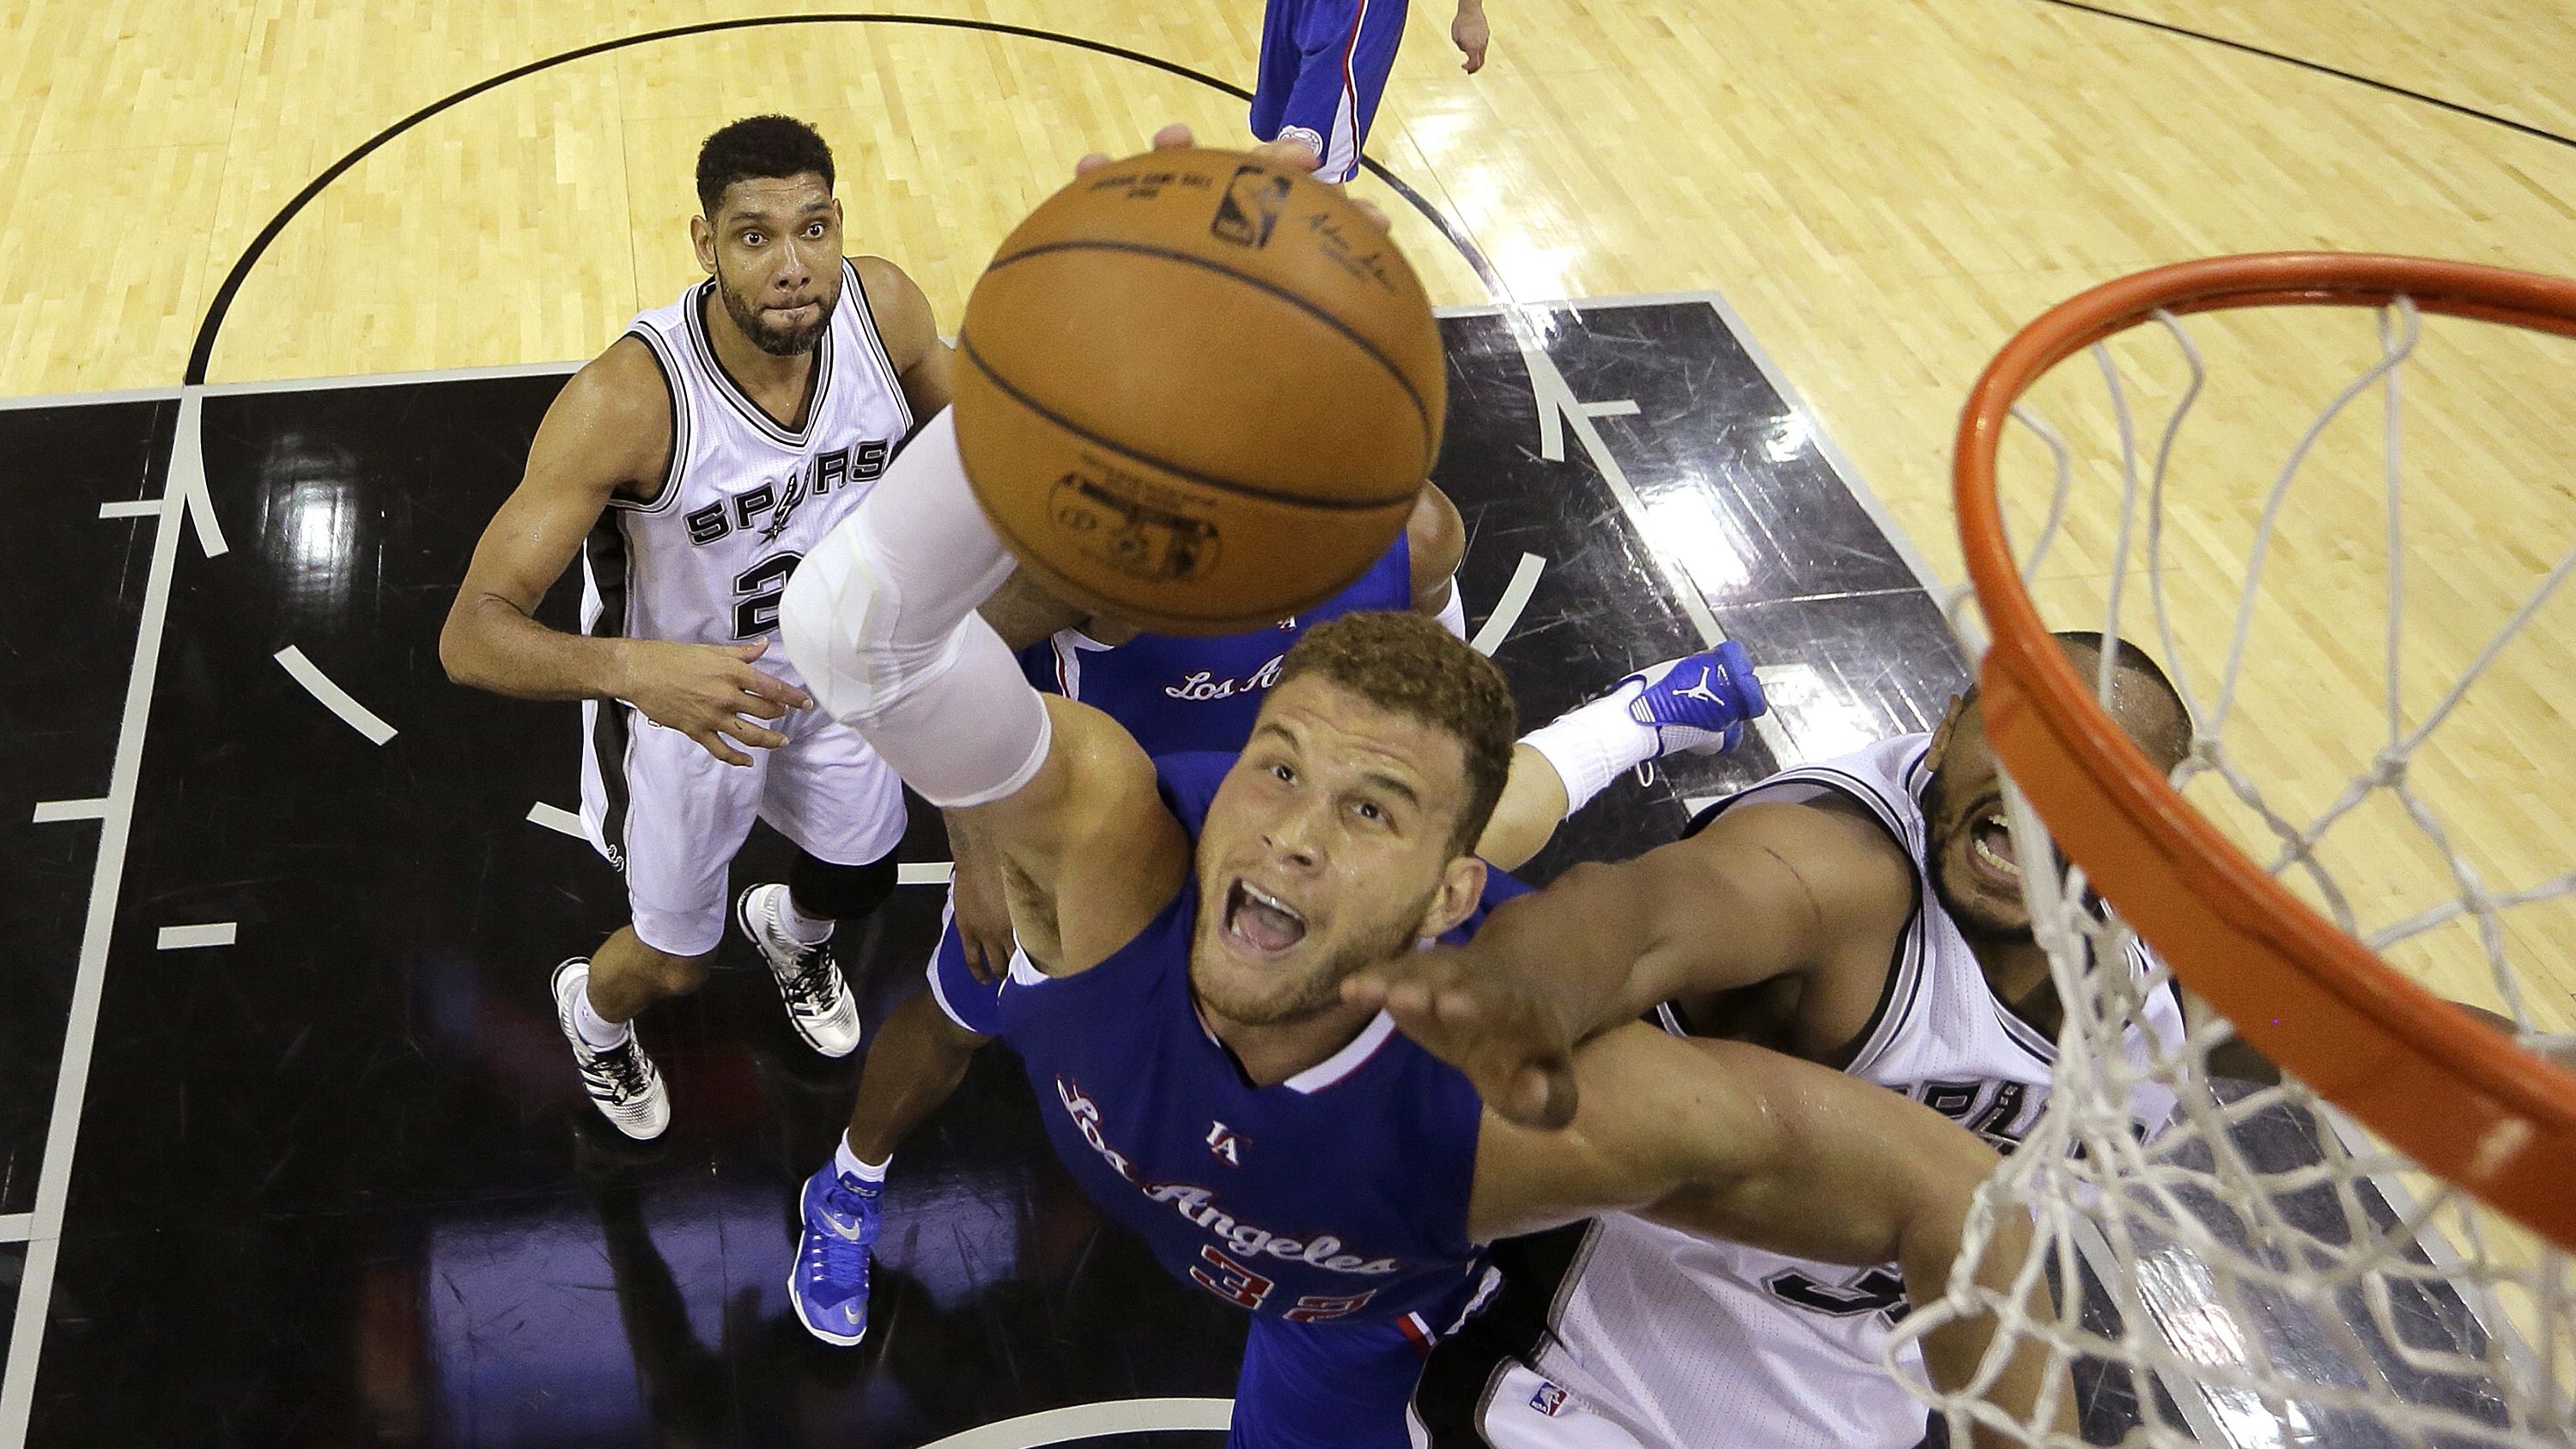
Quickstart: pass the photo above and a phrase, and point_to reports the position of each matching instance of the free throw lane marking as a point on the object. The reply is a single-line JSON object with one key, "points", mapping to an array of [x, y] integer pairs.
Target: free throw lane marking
{"points": [[1077, 1422], [1507, 609], [51, 810], [185, 938], [335, 699], [557, 819]]}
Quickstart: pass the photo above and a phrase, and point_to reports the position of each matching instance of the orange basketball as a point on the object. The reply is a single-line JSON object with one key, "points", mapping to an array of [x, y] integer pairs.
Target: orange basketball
{"points": [[1197, 392]]}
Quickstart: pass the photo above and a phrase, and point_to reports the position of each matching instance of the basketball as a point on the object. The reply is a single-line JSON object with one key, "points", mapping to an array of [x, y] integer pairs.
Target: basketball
{"points": [[1197, 392]]}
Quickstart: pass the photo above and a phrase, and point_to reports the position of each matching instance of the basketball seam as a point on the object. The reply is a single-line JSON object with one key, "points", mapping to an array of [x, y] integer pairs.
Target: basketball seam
{"points": [[1420, 412], [966, 349]]}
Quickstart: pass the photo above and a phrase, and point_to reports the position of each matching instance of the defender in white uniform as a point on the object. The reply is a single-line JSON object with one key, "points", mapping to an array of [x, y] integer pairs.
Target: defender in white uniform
{"points": [[1863, 912], [693, 465]]}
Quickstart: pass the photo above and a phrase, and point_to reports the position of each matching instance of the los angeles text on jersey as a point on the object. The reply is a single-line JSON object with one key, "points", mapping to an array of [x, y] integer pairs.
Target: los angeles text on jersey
{"points": [[1197, 1205], [775, 500]]}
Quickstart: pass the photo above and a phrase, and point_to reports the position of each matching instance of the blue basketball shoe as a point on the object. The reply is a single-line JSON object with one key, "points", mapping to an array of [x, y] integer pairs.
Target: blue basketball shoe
{"points": [[829, 1284], [1697, 704]]}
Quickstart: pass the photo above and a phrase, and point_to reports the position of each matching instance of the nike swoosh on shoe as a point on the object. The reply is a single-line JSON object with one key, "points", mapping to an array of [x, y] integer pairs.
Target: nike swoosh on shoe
{"points": [[850, 1232]]}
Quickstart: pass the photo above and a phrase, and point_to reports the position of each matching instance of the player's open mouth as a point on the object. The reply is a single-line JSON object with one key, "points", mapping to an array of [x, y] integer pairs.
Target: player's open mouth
{"points": [[1259, 924], [1990, 847]]}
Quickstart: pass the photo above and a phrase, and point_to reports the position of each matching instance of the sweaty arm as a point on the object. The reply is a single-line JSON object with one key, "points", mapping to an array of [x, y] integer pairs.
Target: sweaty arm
{"points": [[881, 620], [608, 433], [1767, 889], [910, 334], [1742, 1145]]}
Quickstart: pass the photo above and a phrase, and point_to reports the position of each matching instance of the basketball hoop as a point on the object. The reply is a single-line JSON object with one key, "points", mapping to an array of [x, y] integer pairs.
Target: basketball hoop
{"points": [[2447, 1323], [2460, 1099]]}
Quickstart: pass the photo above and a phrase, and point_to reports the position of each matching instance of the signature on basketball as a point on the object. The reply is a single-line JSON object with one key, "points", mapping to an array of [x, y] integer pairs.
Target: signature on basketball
{"points": [[1203, 683]]}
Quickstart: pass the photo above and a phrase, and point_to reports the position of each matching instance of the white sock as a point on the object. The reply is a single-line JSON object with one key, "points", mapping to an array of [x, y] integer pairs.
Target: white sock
{"points": [[847, 1163], [1593, 744], [1453, 615], [797, 926], [595, 1029]]}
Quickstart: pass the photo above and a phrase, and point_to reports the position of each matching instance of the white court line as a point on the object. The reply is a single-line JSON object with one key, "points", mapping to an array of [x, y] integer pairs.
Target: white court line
{"points": [[1625, 407], [15, 1227], [131, 508], [1558, 412], [1697, 803], [1077, 1422], [107, 880], [335, 699], [558, 819], [188, 938], [48, 811], [1507, 609], [188, 476], [924, 872]]}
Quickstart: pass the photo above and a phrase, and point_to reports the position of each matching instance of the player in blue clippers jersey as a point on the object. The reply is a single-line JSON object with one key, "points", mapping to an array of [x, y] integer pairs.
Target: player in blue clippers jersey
{"points": [[1324, 65], [1183, 960], [1176, 694]]}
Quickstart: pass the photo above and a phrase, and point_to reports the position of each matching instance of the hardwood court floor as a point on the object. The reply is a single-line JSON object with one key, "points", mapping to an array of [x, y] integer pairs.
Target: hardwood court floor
{"points": [[1882, 191]]}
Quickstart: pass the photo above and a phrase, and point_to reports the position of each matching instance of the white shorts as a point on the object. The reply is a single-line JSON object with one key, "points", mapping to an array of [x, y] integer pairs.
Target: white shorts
{"points": [[1524, 1411], [670, 816]]}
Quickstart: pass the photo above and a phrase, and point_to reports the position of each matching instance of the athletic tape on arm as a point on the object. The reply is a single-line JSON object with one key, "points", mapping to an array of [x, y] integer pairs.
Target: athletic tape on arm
{"points": [[881, 622]]}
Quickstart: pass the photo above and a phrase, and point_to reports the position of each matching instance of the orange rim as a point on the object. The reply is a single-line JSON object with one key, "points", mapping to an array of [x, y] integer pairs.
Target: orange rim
{"points": [[2460, 1099]]}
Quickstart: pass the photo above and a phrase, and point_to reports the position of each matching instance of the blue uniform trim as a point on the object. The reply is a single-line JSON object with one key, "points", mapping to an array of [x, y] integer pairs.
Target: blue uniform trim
{"points": [[1323, 68]]}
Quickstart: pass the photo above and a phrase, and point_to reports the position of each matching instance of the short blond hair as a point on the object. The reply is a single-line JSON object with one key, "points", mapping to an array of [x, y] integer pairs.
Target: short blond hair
{"points": [[1410, 665]]}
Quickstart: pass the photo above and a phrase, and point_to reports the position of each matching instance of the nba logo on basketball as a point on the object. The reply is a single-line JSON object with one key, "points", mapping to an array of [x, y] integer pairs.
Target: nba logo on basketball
{"points": [[1549, 1399], [1250, 206], [1224, 1143]]}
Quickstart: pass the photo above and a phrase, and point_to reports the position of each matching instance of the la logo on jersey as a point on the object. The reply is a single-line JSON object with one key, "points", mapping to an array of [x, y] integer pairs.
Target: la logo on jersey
{"points": [[1223, 1141]]}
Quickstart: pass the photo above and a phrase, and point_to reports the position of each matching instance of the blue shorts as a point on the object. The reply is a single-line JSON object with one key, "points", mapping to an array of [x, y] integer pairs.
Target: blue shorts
{"points": [[1328, 1385], [1323, 67], [972, 1004]]}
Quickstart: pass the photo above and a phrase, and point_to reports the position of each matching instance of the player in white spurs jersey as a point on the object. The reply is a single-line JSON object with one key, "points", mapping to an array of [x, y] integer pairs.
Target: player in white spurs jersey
{"points": [[692, 465], [1863, 912]]}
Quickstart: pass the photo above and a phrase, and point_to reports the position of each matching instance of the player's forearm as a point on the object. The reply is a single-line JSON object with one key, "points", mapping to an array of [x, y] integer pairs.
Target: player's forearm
{"points": [[489, 644], [1954, 1352], [1611, 937]]}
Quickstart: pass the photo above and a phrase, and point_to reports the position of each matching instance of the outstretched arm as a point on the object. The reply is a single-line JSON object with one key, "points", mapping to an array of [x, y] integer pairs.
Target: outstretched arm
{"points": [[881, 619], [1743, 1145], [1766, 890]]}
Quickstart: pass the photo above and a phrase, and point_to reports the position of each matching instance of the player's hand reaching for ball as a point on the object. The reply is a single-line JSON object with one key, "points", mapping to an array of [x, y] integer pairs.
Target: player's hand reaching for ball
{"points": [[1279, 153], [1478, 1009], [704, 690]]}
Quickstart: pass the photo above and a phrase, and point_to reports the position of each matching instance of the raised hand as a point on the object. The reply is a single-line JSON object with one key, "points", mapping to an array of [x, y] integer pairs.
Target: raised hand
{"points": [[705, 690], [1279, 153]]}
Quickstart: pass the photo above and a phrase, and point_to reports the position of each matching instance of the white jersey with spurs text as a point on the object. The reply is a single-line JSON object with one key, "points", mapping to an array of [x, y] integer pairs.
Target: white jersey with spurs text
{"points": [[1678, 1341]]}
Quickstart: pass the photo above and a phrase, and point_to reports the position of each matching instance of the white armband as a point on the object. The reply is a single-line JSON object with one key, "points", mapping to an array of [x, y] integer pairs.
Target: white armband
{"points": [[881, 621]]}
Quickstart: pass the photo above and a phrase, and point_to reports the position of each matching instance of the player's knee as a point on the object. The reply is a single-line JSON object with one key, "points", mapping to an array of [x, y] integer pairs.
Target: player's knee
{"points": [[829, 892], [677, 975]]}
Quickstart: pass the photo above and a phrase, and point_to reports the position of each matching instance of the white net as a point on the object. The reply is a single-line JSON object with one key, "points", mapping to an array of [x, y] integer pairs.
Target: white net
{"points": [[2381, 672]]}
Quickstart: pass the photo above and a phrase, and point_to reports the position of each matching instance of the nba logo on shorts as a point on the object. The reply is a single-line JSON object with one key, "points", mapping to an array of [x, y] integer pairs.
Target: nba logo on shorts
{"points": [[1250, 207], [1549, 1398]]}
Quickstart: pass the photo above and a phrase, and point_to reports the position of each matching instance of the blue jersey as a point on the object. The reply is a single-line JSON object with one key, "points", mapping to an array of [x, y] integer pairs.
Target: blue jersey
{"points": [[1339, 1195], [1177, 693]]}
